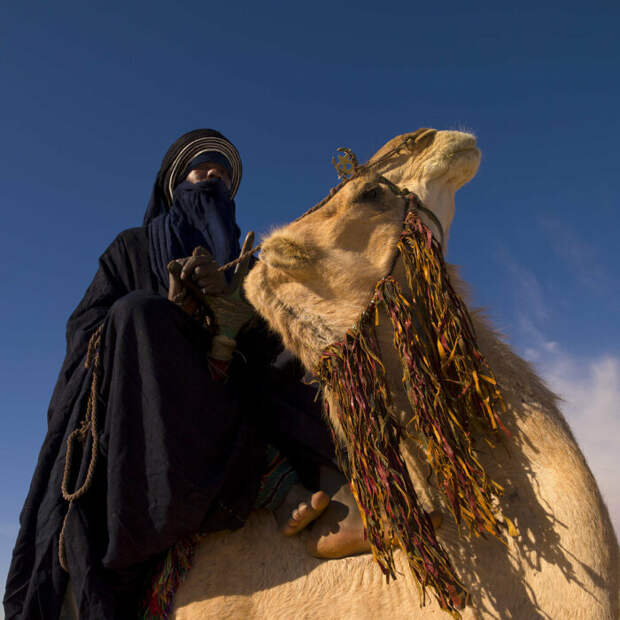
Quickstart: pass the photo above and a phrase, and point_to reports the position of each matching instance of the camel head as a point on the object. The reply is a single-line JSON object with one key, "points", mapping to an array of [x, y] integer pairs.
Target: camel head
{"points": [[433, 165], [316, 275]]}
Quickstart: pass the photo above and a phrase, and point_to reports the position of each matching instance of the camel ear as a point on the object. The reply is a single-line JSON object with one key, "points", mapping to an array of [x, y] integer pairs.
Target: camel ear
{"points": [[282, 253]]}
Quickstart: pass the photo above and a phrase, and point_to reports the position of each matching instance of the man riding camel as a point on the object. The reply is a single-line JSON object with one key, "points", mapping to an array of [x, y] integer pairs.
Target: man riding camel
{"points": [[195, 425]]}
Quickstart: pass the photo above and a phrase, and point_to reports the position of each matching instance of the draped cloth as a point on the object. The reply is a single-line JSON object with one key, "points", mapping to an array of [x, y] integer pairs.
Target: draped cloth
{"points": [[201, 214], [178, 451]]}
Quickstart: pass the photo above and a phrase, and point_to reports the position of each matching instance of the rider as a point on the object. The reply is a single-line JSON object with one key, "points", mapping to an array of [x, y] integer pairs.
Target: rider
{"points": [[184, 439]]}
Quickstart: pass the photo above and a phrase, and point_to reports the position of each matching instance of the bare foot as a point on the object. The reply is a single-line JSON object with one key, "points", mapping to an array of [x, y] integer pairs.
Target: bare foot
{"points": [[300, 507], [339, 532]]}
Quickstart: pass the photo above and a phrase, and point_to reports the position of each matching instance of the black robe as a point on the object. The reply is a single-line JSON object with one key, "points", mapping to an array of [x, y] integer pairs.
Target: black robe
{"points": [[179, 451]]}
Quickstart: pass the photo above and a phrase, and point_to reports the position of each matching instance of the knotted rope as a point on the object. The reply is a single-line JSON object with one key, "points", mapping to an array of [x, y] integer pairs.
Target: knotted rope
{"points": [[87, 427]]}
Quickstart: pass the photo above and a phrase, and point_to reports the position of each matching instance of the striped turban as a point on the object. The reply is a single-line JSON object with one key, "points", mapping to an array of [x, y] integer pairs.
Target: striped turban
{"points": [[179, 156]]}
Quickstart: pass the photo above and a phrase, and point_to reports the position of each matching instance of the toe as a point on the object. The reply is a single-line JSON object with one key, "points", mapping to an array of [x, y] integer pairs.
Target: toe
{"points": [[319, 501], [305, 513]]}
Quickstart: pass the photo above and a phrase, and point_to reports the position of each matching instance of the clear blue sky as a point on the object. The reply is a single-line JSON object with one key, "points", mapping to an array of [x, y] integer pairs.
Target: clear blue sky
{"points": [[94, 92]]}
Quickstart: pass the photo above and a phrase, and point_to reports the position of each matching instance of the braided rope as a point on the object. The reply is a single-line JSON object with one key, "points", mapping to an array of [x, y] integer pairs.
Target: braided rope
{"points": [[87, 426]]}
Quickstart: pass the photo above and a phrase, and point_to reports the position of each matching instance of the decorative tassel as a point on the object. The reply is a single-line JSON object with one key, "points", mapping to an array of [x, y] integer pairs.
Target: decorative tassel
{"points": [[168, 576], [453, 395], [454, 399]]}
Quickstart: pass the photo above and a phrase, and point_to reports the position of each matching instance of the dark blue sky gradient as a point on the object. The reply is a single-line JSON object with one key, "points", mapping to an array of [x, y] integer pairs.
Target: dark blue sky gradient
{"points": [[94, 92]]}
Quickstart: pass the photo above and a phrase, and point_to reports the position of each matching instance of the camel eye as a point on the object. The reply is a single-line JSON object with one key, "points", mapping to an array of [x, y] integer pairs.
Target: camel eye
{"points": [[369, 195]]}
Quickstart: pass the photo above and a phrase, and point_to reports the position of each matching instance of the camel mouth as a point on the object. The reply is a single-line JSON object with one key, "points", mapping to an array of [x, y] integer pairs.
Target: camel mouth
{"points": [[468, 159], [463, 159], [461, 143], [304, 332], [468, 149]]}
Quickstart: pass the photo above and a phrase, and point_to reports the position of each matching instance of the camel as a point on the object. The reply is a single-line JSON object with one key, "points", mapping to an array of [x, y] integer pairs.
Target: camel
{"points": [[313, 280]]}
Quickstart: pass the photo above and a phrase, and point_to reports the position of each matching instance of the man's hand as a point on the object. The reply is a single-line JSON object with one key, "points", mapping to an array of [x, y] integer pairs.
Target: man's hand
{"points": [[197, 279], [201, 270], [177, 293]]}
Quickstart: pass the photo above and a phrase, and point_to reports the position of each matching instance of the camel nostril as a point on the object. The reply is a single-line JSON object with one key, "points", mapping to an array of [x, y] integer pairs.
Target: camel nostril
{"points": [[284, 253]]}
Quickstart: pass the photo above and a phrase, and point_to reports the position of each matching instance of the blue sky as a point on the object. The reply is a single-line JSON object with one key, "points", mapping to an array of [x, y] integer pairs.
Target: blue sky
{"points": [[94, 92]]}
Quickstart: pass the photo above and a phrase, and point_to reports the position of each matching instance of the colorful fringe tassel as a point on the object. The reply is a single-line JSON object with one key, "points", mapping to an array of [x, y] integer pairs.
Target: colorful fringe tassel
{"points": [[454, 400], [168, 577], [277, 480]]}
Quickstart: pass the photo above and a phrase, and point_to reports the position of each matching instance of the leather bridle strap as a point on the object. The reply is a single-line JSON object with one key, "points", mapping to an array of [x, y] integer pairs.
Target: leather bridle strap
{"points": [[414, 204]]}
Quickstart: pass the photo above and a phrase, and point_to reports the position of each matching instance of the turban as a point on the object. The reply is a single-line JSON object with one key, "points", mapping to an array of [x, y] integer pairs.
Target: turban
{"points": [[185, 153]]}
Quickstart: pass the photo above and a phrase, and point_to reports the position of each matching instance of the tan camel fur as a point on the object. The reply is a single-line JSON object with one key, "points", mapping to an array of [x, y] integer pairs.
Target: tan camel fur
{"points": [[314, 279]]}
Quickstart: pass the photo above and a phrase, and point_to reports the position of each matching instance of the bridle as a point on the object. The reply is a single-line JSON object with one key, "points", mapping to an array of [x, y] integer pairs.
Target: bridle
{"points": [[348, 169], [414, 204]]}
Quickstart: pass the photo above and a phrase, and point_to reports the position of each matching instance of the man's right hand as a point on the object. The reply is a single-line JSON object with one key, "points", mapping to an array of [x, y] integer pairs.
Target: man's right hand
{"points": [[202, 271]]}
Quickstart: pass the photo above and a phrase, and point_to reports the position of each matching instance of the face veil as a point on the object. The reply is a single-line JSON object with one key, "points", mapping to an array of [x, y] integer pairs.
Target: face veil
{"points": [[182, 215]]}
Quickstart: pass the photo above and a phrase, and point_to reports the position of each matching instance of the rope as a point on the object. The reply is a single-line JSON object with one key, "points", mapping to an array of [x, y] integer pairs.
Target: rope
{"points": [[87, 426]]}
